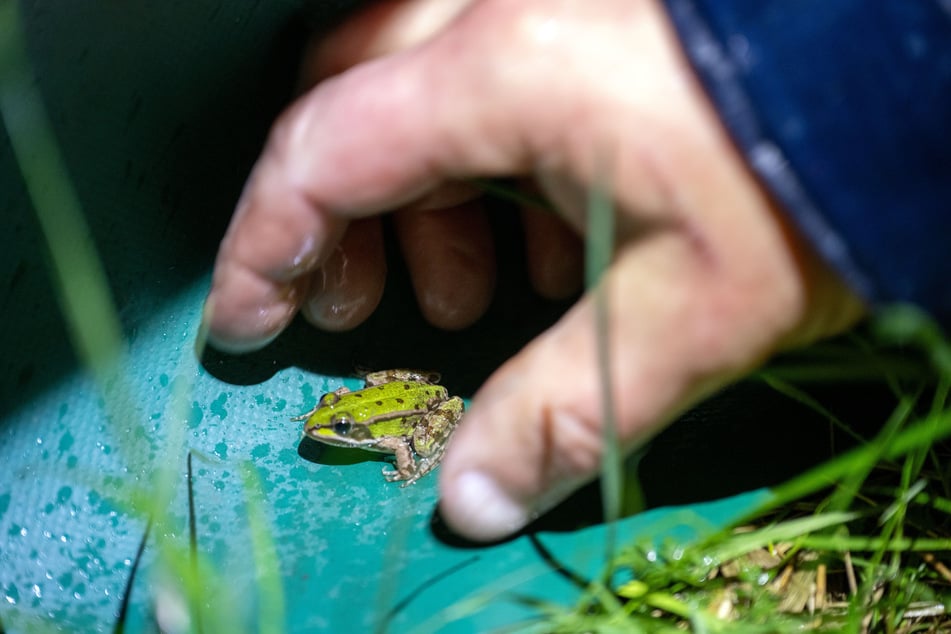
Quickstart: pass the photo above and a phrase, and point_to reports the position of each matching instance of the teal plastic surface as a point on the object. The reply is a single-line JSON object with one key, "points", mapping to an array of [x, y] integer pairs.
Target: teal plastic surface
{"points": [[159, 110], [354, 552]]}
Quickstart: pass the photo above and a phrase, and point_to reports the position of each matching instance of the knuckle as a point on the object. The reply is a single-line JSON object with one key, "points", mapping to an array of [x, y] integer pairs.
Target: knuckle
{"points": [[573, 445]]}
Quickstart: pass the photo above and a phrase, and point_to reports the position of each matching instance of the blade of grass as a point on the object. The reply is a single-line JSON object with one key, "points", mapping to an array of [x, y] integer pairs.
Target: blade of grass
{"points": [[479, 599], [865, 543], [909, 325], [79, 278], [264, 555], [903, 500], [127, 594], [81, 283], [387, 606], [791, 391], [851, 482], [920, 434], [599, 250], [193, 533], [937, 503], [417, 591], [740, 544]]}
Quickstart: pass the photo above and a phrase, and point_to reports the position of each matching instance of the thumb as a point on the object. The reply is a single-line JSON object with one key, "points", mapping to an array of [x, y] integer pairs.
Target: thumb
{"points": [[534, 432], [679, 327]]}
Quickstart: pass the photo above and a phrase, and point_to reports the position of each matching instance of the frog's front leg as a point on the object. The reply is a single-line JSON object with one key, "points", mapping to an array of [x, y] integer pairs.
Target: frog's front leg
{"points": [[405, 462], [431, 436]]}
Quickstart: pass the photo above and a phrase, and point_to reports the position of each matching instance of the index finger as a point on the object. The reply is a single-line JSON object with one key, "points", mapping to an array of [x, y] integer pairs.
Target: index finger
{"points": [[369, 140]]}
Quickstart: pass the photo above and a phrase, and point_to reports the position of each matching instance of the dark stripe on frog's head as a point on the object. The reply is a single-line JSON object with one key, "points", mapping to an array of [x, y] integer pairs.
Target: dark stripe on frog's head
{"points": [[327, 435], [343, 431]]}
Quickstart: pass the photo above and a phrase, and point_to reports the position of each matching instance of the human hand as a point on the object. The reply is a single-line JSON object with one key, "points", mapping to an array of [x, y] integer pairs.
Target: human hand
{"points": [[707, 281]]}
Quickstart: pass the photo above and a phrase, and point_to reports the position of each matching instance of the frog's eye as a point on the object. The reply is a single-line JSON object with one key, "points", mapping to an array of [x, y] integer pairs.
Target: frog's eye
{"points": [[342, 424]]}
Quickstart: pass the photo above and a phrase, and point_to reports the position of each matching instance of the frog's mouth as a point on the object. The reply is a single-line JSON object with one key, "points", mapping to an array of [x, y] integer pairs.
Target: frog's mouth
{"points": [[354, 436]]}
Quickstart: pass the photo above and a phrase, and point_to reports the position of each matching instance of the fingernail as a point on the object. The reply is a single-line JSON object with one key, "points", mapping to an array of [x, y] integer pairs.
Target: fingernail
{"points": [[239, 346], [229, 344], [483, 510], [335, 311]]}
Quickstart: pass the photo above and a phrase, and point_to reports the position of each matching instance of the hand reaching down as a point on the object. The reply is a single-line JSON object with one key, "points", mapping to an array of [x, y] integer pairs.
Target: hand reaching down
{"points": [[707, 281]]}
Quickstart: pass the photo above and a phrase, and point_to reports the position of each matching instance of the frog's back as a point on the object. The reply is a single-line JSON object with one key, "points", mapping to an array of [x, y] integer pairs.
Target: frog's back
{"points": [[391, 398]]}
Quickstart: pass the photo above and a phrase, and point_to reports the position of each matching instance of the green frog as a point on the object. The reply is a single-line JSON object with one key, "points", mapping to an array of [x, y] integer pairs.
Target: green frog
{"points": [[400, 412]]}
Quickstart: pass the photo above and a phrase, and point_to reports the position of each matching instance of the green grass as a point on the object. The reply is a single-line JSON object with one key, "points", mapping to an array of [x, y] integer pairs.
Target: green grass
{"points": [[875, 519]]}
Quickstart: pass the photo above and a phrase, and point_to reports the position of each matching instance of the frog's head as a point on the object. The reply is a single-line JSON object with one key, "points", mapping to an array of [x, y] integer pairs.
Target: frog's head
{"points": [[350, 420], [336, 423], [339, 429]]}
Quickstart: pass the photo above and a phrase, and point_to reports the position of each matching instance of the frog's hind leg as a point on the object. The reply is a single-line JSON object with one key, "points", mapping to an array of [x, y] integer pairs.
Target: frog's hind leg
{"points": [[424, 466], [400, 374], [431, 437]]}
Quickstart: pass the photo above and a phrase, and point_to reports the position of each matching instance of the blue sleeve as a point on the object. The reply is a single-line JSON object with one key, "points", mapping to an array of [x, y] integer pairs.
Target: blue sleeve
{"points": [[843, 109]]}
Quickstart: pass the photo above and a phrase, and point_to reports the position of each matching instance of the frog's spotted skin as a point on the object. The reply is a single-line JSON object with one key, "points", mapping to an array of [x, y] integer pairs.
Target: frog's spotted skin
{"points": [[399, 412]]}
